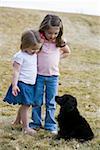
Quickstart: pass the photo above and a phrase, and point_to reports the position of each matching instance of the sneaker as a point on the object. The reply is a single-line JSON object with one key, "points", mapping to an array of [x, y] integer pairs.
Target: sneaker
{"points": [[54, 132], [35, 127]]}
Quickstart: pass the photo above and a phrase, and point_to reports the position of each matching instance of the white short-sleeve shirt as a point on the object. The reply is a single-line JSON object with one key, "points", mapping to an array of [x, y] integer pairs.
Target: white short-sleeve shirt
{"points": [[28, 71]]}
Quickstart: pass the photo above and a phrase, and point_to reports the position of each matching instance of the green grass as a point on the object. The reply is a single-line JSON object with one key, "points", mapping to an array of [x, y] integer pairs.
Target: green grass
{"points": [[79, 76]]}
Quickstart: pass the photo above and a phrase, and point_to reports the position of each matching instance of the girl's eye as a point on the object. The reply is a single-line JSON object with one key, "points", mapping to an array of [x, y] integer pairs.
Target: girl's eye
{"points": [[49, 33], [56, 33], [53, 33]]}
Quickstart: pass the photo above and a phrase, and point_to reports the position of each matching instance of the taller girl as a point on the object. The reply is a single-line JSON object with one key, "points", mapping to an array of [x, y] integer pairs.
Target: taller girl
{"points": [[54, 48]]}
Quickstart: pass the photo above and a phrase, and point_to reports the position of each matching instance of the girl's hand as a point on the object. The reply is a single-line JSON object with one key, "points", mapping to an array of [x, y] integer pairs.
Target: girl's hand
{"points": [[16, 71], [15, 90], [65, 51]]}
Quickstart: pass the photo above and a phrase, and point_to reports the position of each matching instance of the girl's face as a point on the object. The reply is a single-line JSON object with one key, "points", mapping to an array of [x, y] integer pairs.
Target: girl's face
{"points": [[33, 49], [52, 33]]}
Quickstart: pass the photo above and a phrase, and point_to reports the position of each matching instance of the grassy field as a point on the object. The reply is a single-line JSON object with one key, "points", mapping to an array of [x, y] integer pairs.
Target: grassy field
{"points": [[80, 76]]}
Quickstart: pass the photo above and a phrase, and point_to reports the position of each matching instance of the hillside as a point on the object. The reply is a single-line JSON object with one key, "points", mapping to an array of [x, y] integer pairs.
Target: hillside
{"points": [[80, 75]]}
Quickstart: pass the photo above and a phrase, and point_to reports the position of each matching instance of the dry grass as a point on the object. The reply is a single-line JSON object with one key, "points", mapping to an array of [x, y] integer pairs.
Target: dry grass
{"points": [[80, 76]]}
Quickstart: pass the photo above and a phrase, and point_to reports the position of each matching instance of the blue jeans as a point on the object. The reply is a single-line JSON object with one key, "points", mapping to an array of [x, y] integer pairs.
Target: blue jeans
{"points": [[49, 86]]}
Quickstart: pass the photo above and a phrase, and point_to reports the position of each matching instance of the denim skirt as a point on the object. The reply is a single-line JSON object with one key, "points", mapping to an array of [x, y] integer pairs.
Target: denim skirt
{"points": [[24, 97]]}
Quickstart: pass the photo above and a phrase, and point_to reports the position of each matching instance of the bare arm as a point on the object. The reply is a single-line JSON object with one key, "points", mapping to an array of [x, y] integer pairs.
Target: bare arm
{"points": [[65, 51], [16, 70]]}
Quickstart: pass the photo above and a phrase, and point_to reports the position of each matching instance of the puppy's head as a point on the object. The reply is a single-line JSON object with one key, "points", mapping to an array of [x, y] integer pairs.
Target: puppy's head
{"points": [[66, 101]]}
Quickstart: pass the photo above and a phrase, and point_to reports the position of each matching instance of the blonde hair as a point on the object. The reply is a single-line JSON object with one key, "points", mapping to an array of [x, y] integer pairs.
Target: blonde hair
{"points": [[29, 38]]}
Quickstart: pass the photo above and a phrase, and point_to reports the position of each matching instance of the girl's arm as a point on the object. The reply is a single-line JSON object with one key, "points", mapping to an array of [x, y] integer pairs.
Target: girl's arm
{"points": [[65, 51], [16, 70]]}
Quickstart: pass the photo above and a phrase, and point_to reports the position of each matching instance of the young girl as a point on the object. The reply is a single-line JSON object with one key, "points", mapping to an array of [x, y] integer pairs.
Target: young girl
{"points": [[54, 48], [21, 90]]}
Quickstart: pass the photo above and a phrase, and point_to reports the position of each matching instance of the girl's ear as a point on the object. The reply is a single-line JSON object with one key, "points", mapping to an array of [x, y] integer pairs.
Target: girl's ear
{"points": [[42, 35]]}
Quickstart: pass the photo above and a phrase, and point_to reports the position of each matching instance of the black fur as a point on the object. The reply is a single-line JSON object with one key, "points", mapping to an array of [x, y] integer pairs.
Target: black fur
{"points": [[71, 123]]}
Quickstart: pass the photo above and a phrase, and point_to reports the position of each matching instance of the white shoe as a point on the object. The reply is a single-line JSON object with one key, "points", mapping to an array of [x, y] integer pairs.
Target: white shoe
{"points": [[54, 132]]}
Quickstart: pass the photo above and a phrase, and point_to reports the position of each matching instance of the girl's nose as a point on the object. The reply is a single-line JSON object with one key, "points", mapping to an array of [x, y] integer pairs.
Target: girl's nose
{"points": [[52, 36]]}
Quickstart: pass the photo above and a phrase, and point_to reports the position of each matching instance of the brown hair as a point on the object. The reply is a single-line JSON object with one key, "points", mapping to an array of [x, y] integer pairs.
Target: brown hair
{"points": [[53, 20], [29, 38]]}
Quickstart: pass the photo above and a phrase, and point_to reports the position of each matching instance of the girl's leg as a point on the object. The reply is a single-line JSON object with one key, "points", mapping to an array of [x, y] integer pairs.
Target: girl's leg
{"points": [[38, 102], [18, 118], [24, 118], [51, 92]]}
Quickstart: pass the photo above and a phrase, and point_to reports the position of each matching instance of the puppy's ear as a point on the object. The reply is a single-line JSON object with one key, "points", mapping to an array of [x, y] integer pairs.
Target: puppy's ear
{"points": [[71, 104]]}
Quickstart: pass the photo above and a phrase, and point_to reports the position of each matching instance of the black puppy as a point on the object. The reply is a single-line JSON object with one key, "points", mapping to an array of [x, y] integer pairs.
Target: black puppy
{"points": [[71, 123]]}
